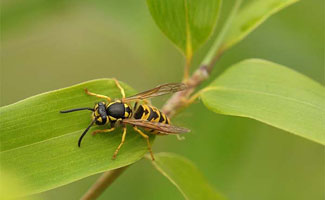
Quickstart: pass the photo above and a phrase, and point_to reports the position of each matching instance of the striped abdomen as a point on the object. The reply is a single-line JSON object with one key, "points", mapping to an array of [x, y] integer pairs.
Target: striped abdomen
{"points": [[150, 113]]}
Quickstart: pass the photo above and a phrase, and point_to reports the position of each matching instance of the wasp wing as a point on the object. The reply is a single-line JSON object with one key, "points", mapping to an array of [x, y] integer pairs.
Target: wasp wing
{"points": [[162, 128], [158, 91]]}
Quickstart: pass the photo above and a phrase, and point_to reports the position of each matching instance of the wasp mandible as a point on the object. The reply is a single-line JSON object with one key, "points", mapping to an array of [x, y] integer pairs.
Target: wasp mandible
{"points": [[120, 112]]}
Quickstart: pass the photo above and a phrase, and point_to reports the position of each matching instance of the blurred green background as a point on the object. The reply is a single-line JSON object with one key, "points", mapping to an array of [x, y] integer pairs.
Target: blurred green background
{"points": [[50, 44]]}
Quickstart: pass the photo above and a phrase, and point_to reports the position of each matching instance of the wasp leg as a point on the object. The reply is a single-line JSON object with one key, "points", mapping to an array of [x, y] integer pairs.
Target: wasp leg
{"points": [[98, 95], [120, 87], [147, 138], [180, 137], [103, 131], [122, 142]]}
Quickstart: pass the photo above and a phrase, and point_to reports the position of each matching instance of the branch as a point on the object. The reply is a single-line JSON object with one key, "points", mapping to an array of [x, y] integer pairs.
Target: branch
{"points": [[106, 179], [180, 99]]}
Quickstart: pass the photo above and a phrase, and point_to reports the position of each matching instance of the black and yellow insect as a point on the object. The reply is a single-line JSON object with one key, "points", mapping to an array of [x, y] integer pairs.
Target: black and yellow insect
{"points": [[120, 112]]}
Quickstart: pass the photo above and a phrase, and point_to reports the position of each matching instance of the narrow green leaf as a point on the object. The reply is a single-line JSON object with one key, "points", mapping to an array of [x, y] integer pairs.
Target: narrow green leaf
{"points": [[187, 23], [272, 94], [250, 17], [10, 185], [39, 144], [185, 176]]}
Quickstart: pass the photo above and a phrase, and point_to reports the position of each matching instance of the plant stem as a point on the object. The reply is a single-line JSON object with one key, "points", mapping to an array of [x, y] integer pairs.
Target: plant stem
{"points": [[181, 99], [178, 100], [105, 180]]}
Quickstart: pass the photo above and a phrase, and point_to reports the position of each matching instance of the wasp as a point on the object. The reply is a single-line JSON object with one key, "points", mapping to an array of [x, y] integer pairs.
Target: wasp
{"points": [[120, 112]]}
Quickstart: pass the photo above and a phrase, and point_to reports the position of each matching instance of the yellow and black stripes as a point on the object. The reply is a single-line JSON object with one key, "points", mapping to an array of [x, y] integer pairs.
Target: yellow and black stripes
{"points": [[163, 118], [128, 111], [150, 113]]}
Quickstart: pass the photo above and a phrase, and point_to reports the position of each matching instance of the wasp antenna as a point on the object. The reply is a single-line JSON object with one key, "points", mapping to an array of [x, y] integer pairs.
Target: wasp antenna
{"points": [[76, 109], [84, 133]]}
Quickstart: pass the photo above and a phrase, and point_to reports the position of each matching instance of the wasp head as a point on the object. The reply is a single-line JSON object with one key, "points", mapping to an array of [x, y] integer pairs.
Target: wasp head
{"points": [[100, 115]]}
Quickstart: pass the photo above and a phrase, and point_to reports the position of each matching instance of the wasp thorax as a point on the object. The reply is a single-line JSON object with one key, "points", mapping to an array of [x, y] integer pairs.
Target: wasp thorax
{"points": [[100, 114], [118, 111]]}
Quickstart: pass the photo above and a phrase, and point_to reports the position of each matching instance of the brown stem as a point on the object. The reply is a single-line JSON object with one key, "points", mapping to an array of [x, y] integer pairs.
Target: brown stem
{"points": [[106, 179], [180, 99]]}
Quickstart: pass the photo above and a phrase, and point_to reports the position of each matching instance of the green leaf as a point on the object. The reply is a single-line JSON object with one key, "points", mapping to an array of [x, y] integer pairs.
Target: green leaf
{"points": [[187, 23], [250, 17], [10, 185], [272, 94], [39, 144], [185, 176]]}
